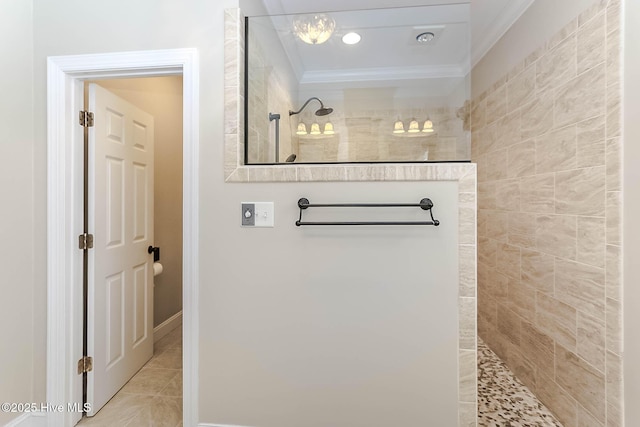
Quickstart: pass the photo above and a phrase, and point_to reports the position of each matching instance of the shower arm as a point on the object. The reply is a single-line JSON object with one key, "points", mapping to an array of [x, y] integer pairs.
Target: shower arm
{"points": [[291, 113]]}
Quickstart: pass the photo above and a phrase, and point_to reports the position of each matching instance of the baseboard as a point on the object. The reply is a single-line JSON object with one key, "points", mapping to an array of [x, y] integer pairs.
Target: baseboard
{"points": [[167, 326], [31, 419]]}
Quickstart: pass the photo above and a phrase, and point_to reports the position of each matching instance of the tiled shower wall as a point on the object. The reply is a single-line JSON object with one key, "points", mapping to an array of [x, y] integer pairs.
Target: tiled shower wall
{"points": [[365, 135], [270, 91], [546, 137]]}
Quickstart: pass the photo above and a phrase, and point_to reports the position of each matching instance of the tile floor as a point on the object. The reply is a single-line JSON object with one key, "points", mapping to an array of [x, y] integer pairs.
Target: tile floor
{"points": [[503, 401], [153, 397]]}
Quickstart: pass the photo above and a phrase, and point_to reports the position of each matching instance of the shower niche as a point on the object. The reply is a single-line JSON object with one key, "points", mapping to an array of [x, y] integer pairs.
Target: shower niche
{"points": [[380, 85]]}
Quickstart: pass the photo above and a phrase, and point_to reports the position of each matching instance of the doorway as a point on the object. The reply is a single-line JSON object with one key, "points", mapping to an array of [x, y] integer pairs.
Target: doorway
{"points": [[141, 302], [66, 76]]}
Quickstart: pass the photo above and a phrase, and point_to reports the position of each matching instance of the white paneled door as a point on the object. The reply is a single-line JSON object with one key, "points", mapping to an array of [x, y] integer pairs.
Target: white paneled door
{"points": [[120, 268]]}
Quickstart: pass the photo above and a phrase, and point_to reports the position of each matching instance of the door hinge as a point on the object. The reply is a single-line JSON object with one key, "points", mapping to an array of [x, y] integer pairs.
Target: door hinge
{"points": [[86, 119], [85, 365], [85, 241]]}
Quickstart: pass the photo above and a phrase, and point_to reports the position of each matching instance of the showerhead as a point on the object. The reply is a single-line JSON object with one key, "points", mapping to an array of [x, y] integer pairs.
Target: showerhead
{"points": [[322, 111]]}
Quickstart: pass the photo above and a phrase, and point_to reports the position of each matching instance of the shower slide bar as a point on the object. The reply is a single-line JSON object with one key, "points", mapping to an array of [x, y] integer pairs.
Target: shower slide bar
{"points": [[425, 204]]}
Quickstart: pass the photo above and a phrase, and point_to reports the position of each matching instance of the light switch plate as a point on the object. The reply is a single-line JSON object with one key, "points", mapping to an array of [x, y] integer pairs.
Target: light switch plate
{"points": [[264, 214], [248, 214], [257, 214]]}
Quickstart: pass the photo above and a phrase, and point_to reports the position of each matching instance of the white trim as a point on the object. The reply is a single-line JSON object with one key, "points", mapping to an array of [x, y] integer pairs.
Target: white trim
{"points": [[487, 37], [30, 419], [163, 329], [64, 219]]}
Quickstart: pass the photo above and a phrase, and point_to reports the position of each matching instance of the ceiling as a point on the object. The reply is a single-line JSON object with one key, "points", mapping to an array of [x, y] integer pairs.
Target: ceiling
{"points": [[465, 31]]}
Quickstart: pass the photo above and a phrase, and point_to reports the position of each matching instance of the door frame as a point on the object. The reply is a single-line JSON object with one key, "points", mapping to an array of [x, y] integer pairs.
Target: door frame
{"points": [[65, 79]]}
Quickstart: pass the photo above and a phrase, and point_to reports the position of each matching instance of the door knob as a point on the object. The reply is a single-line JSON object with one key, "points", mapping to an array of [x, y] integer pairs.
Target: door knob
{"points": [[156, 253]]}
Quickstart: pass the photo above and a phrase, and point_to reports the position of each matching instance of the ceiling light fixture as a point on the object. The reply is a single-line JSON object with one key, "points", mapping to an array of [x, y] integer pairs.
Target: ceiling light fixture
{"points": [[313, 29], [351, 38], [398, 127], [425, 37]]}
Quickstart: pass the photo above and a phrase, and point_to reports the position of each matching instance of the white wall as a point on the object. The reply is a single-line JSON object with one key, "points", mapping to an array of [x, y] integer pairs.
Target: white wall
{"points": [[631, 213], [17, 234], [162, 98], [522, 38]]}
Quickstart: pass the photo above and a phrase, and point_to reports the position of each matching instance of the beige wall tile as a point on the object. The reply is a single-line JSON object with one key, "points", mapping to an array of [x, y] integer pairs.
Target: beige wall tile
{"points": [[522, 223], [467, 323], [581, 286], [496, 165], [467, 414], [483, 219], [467, 270], [614, 56], [523, 368], [591, 340], [496, 106], [556, 235], [487, 195], [556, 150], [613, 272], [521, 89], [614, 164], [523, 241], [558, 66], [499, 286], [558, 400], [478, 114], [509, 324], [498, 226], [592, 11], [581, 191], [487, 315], [537, 194], [584, 382], [487, 251], [467, 375], [614, 111], [556, 319], [614, 220], [537, 347], [614, 389], [537, 116], [508, 260], [614, 326], [509, 130], [580, 98], [521, 159], [591, 50], [538, 270], [585, 419], [591, 241], [508, 195], [522, 299], [591, 142]]}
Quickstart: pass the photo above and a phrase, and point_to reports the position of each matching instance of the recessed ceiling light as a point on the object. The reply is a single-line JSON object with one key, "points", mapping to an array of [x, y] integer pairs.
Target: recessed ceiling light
{"points": [[425, 37], [351, 38]]}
